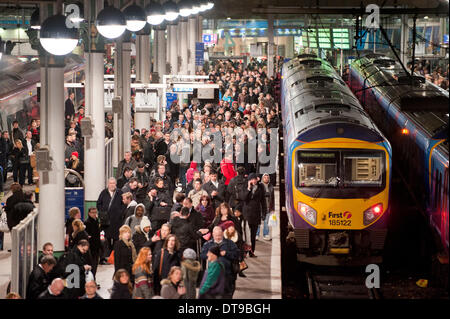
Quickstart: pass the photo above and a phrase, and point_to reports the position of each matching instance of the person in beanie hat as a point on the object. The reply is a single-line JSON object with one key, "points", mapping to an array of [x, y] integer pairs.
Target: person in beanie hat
{"points": [[213, 282], [190, 269], [143, 234]]}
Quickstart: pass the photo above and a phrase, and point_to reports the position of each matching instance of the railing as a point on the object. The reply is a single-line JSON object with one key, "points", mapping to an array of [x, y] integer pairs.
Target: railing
{"points": [[23, 252], [108, 160]]}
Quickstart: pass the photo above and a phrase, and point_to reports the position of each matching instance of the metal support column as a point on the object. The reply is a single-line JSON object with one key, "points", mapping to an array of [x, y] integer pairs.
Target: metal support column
{"points": [[126, 95], [270, 47], [118, 117], [192, 38], [51, 184], [161, 65], [183, 25], [142, 119], [173, 44], [94, 146]]}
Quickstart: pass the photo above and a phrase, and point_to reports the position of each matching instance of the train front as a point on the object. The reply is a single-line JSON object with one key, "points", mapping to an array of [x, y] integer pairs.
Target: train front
{"points": [[337, 185]]}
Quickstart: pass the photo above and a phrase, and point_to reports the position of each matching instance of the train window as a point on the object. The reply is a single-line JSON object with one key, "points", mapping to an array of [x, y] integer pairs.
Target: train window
{"points": [[319, 78], [311, 63], [317, 168], [364, 169]]}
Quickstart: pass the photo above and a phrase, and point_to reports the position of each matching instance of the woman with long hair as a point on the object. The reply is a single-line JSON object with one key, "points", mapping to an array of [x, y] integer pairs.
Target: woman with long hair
{"points": [[223, 215], [172, 286], [124, 250], [165, 259], [122, 288], [142, 270], [78, 233], [206, 209]]}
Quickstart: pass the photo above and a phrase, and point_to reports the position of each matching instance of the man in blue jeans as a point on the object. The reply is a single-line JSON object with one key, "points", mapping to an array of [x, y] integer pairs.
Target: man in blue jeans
{"points": [[270, 201]]}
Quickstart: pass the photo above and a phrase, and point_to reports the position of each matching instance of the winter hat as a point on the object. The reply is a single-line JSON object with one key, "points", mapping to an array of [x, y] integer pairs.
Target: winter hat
{"points": [[252, 176], [75, 153], [189, 253], [227, 224], [145, 222], [215, 250]]}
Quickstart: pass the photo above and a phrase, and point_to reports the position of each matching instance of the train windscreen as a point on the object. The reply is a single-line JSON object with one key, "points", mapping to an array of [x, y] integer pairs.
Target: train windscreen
{"points": [[340, 173]]}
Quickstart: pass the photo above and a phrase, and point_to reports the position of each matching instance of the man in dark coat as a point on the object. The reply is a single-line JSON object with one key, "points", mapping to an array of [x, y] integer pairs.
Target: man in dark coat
{"points": [[195, 217], [184, 231], [125, 178], [234, 187], [229, 254], [161, 202], [78, 256], [93, 229], [254, 206], [6, 147], [69, 108], [16, 197], [128, 161], [215, 189], [160, 145], [161, 173], [110, 208], [39, 280], [22, 209], [17, 133]]}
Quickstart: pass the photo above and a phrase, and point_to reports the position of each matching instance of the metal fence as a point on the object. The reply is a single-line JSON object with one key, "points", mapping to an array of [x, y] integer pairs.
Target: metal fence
{"points": [[24, 252], [108, 160]]}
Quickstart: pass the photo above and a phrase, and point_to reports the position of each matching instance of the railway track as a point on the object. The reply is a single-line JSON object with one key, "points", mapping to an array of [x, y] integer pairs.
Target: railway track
{"points": [[339, 286]]}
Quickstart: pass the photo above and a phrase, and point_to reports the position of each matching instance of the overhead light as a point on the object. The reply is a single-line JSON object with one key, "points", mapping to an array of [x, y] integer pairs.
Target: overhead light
{"points": [[195, 7], [203, 5], [135, 17], [185, 7], [170, 10], [425, 17], [228, 18], [209, 5], [111, 22], [155, 13], [34, 20], [56, 38]]}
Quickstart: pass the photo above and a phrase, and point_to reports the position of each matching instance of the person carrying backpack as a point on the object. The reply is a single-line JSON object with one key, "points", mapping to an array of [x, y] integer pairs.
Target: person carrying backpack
{"points": [[213, 282]]}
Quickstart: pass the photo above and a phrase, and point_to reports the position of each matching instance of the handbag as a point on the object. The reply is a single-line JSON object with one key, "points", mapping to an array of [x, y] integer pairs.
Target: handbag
{"points": [[4, 223], [243, 265], [111, 258]]}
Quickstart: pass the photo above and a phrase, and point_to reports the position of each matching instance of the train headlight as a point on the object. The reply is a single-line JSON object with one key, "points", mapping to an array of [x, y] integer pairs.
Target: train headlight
{"points": [[372, 213], [307, 212]]}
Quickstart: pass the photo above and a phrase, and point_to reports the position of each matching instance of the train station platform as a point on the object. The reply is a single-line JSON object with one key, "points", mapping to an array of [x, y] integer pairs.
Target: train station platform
{"points": [[263, 279], [5, 256]]}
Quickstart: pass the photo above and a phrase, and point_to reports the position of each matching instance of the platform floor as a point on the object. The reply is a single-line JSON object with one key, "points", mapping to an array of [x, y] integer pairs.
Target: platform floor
{"points": [[263, 279]]}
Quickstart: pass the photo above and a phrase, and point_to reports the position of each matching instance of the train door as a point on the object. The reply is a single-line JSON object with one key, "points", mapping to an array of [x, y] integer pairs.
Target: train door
{"points": [[436, 197]]}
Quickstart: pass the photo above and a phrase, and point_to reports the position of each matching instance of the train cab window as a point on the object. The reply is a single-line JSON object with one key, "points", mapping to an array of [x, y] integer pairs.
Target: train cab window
{"points": [[317, 168], [363, 169]]}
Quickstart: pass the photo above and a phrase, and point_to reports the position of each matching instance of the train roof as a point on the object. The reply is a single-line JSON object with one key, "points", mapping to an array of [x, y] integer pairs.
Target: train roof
{"points": [[16, 75], [422, 101], [315, 95]]}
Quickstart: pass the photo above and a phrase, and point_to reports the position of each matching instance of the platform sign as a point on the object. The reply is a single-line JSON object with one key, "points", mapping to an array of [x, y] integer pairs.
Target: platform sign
{"points": [[209, 39], [146, 101], [199, 53], [74, 198], [170, 97], [108, 96], [446, 38], [183, 90]]}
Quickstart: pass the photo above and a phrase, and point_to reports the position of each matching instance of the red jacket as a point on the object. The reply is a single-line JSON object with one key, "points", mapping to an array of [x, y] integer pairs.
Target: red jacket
{"points": [[228, 170]]}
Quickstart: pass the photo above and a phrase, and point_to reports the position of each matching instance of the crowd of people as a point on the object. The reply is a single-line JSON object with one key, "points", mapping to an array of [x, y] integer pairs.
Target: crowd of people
{"points": [[187, 202], [438, 75]]}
